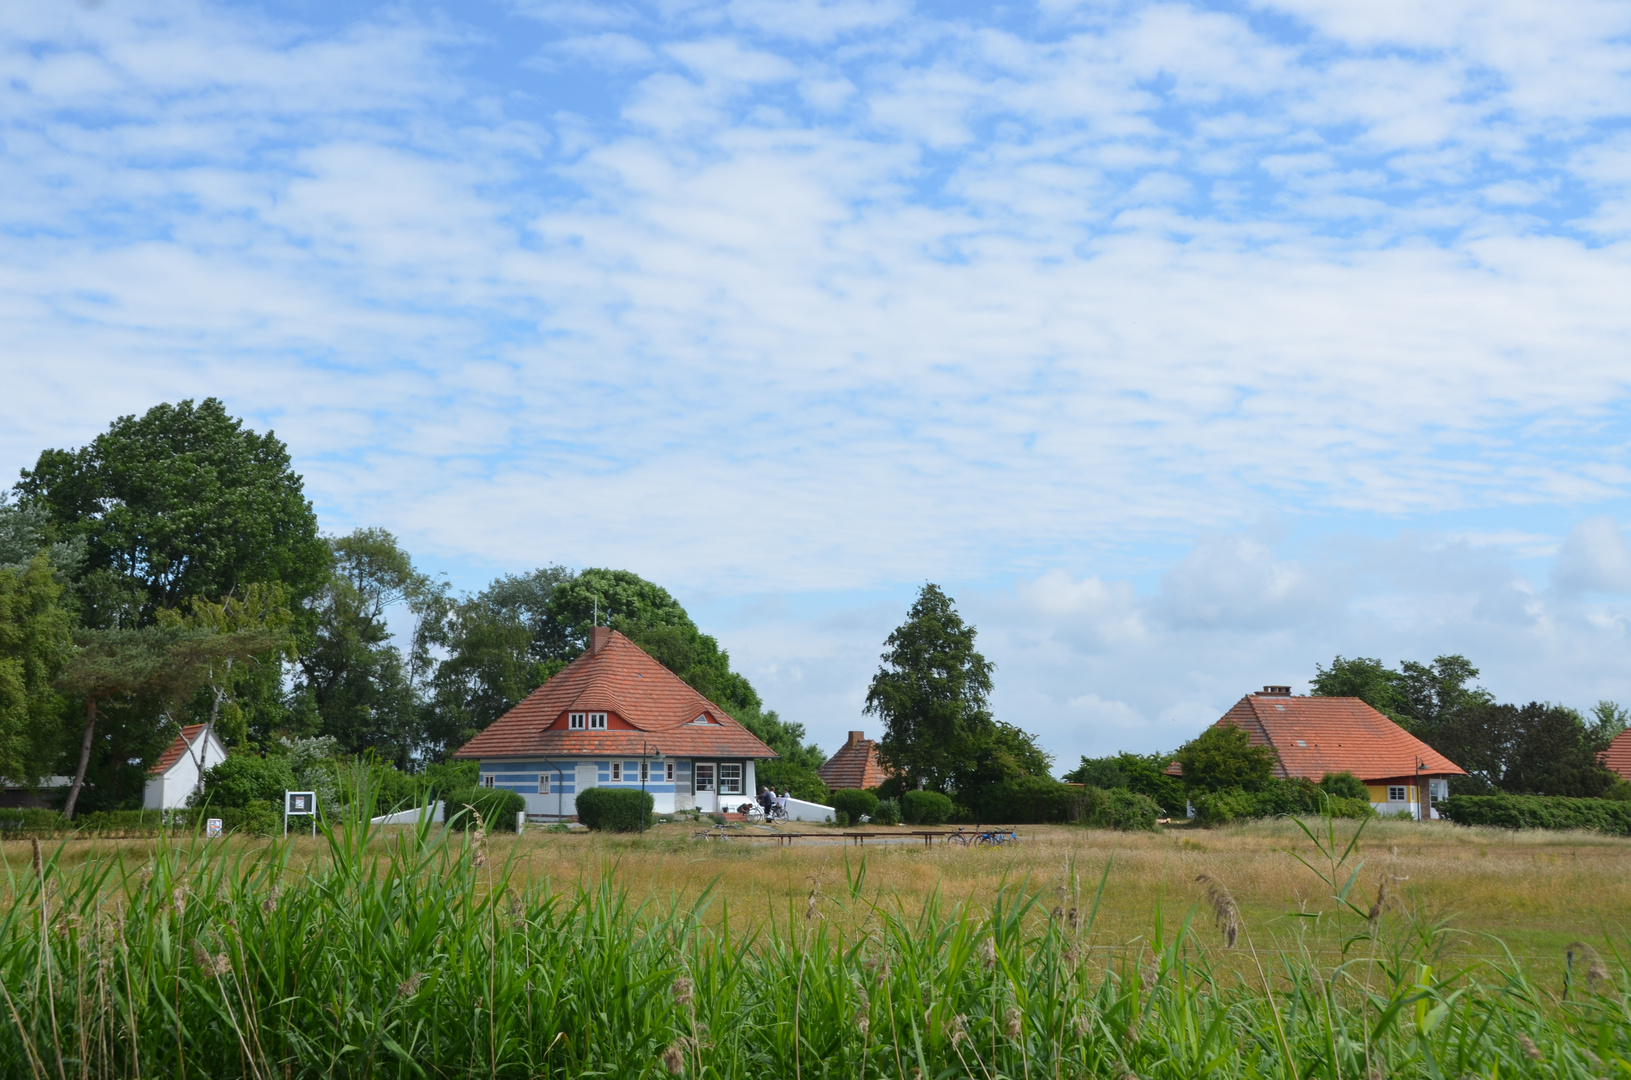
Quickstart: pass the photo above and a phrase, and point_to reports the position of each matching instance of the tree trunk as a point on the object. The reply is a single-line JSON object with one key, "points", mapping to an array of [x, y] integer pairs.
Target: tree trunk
{"points": [[84, 758]]}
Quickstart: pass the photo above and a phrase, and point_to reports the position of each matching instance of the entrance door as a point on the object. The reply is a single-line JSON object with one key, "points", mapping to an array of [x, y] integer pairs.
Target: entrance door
{"points": [[588, 776], [707, 787]]}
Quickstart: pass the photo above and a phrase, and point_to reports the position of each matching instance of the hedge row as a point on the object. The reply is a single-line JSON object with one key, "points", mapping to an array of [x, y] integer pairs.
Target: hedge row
{"points": [[1281, 797], [259, 818], [1539, 812]]}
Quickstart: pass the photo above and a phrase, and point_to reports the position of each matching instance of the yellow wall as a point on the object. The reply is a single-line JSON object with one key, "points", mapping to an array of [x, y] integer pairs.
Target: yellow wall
{"points": [[1378, 792]]}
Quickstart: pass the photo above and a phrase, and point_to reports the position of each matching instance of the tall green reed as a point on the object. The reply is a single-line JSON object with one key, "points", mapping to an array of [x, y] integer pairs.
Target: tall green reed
{"points": [[415, 955]]}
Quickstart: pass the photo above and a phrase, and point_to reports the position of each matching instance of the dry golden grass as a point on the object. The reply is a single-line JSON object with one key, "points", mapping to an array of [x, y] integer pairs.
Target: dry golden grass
{"points": [[1535, 891]]}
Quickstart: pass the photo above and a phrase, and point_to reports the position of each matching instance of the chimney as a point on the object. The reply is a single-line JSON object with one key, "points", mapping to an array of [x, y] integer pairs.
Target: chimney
{"points": [[856, 736], [1277, 691], [598, 637]]}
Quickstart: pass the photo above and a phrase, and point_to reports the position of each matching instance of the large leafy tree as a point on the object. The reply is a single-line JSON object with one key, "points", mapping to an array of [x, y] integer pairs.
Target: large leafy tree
{"points": [[494, 651], [353, 683], [36, 641], [182, 501], [932, 693], [1534, 749]]}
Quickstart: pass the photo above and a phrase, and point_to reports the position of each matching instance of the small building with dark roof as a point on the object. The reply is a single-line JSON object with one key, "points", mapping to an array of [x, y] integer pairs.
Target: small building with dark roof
{"points": [[614, 717], [1314, 736], [855, 765]]}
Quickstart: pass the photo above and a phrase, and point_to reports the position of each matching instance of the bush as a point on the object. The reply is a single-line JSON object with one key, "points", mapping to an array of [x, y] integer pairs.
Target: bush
{"points": [[1344, 785], [854, 802], [925, 807], [1118, 809], [1539, 812], [840, 818], [242, 778], [614, 809], [497, 807], [1619, 791], [888, 812], [795, 780]]}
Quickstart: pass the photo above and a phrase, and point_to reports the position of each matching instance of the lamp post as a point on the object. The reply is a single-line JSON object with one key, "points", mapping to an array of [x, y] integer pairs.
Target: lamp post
{"points": [[1420, 795]]}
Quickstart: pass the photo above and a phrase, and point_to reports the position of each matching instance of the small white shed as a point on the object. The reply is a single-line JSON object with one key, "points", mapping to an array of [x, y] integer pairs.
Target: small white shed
{"points": [[175, 775]]}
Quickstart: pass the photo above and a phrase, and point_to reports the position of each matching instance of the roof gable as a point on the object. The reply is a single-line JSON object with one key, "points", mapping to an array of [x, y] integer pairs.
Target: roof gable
{"points": [[188, 737], [1319, 735], [617, 677]]}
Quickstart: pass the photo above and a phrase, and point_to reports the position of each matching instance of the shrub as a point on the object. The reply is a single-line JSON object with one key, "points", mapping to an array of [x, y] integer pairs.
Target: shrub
{"points": [[1619, 791], [854, 802], [614, 809], [1105, 773], [1278, 798], [1119, 809], [497, 807], [1221, 807], [925, 807], [1539, 812], [245, 777], [1344, 785], [795, 780], [840, 818], [888, 812]]}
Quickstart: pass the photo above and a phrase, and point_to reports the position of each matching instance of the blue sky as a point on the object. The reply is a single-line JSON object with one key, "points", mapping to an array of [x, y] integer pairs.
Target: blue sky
{"points": [[1186, 345]]}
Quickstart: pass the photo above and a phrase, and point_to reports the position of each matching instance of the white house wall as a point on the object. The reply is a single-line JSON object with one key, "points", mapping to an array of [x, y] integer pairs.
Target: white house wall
{"points": [[567, 777], [175, 785]]}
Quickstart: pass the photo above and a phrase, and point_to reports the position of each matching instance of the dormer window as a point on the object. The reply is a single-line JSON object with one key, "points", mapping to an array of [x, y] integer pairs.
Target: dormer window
{"points": [[597, 721], [575, 721], [703, 719]]}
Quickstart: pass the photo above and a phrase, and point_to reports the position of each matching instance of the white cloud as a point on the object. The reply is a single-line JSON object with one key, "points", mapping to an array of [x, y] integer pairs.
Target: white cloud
{"points": [[1596, 557], [805, 297]]}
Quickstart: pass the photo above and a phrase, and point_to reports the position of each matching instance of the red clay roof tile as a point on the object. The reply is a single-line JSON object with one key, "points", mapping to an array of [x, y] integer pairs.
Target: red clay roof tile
{"points": [[620, 678], [854, 766], [1319, 735], [172, 753], [1618, 755]]}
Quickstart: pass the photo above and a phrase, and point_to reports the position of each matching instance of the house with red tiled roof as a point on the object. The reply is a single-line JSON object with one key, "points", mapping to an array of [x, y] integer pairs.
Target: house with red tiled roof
{"points": [[1617, 758], [614, 717], [855, 765], [1314, 736], [174, 776]]}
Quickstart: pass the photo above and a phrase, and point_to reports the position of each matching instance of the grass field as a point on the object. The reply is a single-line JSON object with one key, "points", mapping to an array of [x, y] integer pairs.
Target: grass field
{"points": [[1065, 955]]}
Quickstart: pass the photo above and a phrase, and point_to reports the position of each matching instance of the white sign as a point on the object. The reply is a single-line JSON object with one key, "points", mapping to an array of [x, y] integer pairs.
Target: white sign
{"points": [[299, 802], [212, 827]]}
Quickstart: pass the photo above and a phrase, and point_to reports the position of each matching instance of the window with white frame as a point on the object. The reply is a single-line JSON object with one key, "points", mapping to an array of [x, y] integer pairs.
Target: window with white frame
{"points": [[730, 779], [543, 784], [575, 721], [645, 771], [617, 770], [597, 721], [668, 770], [1395, 793], [487, 781]]}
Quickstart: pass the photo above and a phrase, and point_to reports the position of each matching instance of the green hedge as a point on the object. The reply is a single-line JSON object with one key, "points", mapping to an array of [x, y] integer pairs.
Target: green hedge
{"points": [[497, 807], [888, 812], [259, 818], [925, 807], [614, 809], [1539, 812], [1118, 809], [854, 802], [1028, 800], [1281, 797]]}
